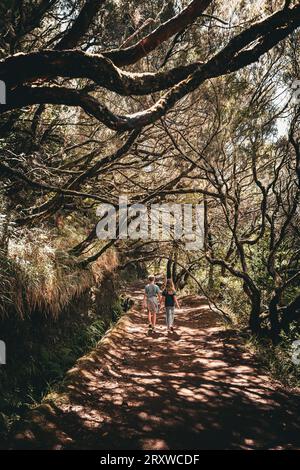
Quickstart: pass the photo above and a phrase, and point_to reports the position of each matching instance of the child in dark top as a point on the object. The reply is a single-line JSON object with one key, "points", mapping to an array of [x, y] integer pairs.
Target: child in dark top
{"points": [[169, 295]]}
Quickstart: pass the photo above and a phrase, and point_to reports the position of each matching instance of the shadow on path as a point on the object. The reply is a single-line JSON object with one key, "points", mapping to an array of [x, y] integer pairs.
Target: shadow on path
{"points": [[194, 389]]}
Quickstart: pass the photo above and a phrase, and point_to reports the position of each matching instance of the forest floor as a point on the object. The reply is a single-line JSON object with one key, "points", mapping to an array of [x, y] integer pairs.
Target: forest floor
{"points": [[197, 388]]}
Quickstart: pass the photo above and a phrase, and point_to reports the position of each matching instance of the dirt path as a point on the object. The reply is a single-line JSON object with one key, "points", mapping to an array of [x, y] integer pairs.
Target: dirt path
{"points": [[197, 389]]}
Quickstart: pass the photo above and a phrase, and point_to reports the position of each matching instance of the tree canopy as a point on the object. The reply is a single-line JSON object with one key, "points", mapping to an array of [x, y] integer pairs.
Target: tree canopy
{"points": [[186, 101]]}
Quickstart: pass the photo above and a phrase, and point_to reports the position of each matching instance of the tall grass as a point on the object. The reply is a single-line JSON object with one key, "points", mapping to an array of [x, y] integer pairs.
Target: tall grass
{"points": [[37, 274], [50, 315]]}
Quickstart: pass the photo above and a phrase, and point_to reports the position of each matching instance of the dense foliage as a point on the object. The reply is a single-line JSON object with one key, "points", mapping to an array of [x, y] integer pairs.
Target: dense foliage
{"points": [[170, 101]]}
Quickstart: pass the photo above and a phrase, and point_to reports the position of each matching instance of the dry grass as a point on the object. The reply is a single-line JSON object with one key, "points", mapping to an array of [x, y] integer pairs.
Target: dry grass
{"points": [[107, 263], [38, 274]]}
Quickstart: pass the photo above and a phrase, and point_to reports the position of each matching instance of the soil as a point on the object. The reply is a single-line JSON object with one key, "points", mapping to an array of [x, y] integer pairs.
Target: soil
{"points": [[197, 388]]}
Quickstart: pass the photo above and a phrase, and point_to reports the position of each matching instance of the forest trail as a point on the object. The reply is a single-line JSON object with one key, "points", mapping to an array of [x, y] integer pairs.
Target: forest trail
{"points": [[195, 389]]}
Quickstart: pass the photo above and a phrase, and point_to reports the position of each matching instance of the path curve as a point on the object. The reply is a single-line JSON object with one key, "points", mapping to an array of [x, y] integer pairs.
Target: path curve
{"points": [[196, 389]]}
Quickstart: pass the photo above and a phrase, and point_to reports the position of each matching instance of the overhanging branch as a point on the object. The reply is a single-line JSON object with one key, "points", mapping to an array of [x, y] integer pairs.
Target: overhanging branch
{"points": [[261, 37]]}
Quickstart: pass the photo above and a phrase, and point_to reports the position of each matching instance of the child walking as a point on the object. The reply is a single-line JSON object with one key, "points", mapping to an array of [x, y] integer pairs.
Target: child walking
{"points": [[152, 298], [169, 294]]}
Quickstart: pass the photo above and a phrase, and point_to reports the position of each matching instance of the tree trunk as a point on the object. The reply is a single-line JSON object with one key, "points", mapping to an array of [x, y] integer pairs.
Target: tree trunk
{"points": [[174, 269], [211, 282], [254, 320], [291, 313], [169, 269], [274, 318]]}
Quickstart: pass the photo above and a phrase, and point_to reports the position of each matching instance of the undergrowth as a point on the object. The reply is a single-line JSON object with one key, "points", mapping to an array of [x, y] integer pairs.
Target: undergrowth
{"points": [[276, 360], [41, 352], [49, 316], [282, 362]]}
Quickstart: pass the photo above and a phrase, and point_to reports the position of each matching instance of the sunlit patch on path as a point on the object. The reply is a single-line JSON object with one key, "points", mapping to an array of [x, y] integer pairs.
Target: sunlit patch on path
{"points": [[194, 389]]}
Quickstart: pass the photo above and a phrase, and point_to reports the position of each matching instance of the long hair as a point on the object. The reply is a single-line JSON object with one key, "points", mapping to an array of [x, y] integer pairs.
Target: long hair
{"points": [[170, 285]]}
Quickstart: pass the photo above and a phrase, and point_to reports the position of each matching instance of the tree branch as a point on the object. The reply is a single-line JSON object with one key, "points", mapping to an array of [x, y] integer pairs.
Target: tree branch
{"points": [[20, 69], [133, 54], [81, 25], [264, 35]]}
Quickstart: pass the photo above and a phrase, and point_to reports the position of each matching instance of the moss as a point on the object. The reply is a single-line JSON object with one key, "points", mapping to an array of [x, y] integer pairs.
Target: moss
{"points": [[42, 349]]}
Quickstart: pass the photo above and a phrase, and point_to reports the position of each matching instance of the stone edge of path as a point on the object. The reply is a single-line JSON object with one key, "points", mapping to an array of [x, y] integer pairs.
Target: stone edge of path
{"points": [[39, 416]]}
